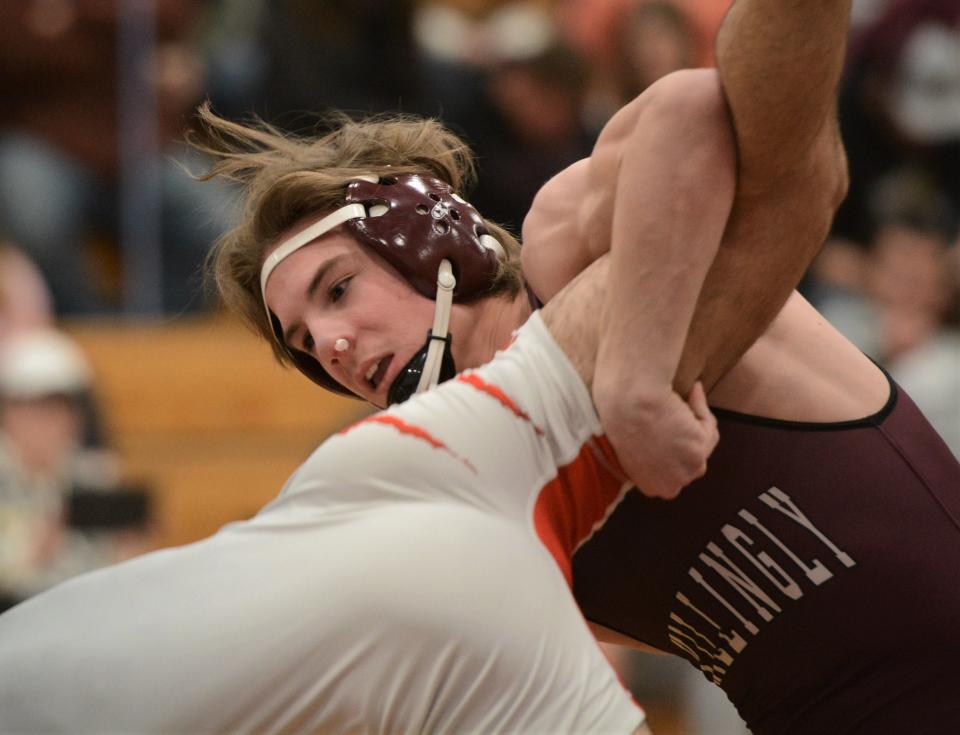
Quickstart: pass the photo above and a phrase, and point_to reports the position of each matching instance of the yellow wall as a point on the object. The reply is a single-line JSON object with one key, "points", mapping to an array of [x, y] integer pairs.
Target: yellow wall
{"points": [[201, 412]]}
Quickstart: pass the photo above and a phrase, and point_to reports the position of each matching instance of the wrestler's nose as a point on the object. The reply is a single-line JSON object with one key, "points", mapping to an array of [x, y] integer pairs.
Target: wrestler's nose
{"points": [[339, 348], [336, 350]]}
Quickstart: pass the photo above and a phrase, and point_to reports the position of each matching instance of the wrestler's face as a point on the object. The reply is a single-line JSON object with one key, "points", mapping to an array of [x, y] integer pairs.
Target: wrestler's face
{"points": [[335, 289]]}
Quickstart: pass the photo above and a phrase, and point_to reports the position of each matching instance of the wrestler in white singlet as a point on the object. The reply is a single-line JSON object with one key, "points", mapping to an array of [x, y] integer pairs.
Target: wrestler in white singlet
{"points": [[401, 582]]}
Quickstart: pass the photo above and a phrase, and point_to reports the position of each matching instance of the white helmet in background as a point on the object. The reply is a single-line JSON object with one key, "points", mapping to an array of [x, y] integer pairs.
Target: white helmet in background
{"points": [[41, 363]]}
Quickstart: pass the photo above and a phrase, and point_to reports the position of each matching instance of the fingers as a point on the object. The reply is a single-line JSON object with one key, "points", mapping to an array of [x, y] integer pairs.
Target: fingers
{"points": [[714, 437], [664, 456], [697, 401]]}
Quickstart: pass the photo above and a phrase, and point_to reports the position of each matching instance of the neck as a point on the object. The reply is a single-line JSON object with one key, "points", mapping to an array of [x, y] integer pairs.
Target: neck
{"points": [[485, 326]]}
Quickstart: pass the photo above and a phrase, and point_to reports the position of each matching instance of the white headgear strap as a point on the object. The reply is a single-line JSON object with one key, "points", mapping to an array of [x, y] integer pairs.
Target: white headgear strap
{"points": [[430, 377], [307, 236]]}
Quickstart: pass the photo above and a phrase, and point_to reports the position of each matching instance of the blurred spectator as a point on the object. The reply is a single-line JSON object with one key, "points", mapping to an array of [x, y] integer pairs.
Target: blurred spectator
{"points": [[60, 510], [459, 42], [590, 24], [504, 79], [59, 150], [24, 297], [230, 40], [706, 17], [914, 289], [655, 38], [535, 130], [900, 113], [837, 287], [25, 306], [863, 14], [898, 303], [629, 44], [353, 55], [482, 32]]}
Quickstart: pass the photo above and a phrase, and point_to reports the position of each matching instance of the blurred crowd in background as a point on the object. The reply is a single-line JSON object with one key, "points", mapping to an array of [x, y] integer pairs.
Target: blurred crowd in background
{"points": [[99, 215]]}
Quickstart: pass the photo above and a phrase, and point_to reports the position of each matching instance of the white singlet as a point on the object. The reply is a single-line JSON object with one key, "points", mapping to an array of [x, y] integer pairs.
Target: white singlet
{"points": [[401, 583]]}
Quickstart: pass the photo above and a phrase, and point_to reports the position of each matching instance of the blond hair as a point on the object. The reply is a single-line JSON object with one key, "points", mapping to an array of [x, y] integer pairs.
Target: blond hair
{"points": [[287, 178]]}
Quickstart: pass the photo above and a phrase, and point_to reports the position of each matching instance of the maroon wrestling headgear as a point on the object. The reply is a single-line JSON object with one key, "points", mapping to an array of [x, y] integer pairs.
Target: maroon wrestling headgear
{"points": [[423, 224], [415, 223]]}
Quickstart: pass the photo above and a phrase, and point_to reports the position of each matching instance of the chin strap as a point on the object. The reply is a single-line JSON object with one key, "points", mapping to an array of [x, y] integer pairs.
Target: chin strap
{"points": [[433, 363], [446, 282]]}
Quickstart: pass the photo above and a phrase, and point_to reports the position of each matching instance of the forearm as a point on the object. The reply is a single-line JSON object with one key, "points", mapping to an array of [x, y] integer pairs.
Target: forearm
{"points": [[573, 317], [660, 193], [768, 244], [661, 456], [780, 63], [673, 193], [669, 216], [779, 66]]}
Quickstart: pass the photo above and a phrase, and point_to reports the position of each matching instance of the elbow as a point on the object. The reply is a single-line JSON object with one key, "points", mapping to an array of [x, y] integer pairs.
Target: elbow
{"points": [[839, 182], [827, 176], [690, 109], [691, 104], [688, 94]]}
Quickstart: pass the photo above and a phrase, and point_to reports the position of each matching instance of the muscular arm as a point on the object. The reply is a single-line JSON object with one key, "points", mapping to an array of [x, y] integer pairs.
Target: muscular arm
{"points": [[677, 307], [655, 194], [779, 65], [673, 164]]}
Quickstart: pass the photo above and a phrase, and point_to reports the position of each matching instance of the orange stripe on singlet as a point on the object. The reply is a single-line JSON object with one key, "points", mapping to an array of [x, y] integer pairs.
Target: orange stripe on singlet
{"points": [[570, 506], [573, 503], [409, 429], [480, 384]]}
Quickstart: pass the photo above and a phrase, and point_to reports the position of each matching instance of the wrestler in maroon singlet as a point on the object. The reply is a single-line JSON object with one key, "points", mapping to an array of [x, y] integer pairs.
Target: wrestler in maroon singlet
{"points": [[816, 608]]}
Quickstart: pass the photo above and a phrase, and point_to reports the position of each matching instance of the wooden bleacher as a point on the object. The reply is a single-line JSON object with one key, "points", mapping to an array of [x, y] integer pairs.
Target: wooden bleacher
{"points": [[201, 412]]}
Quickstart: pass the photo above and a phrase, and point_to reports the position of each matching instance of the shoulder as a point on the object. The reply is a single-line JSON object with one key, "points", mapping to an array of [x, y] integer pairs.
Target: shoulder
{"points": [[555, 248], [554, 197]]}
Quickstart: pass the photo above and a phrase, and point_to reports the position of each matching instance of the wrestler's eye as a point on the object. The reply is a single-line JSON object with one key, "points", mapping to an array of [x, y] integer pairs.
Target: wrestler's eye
{"points": [[338, 290]]}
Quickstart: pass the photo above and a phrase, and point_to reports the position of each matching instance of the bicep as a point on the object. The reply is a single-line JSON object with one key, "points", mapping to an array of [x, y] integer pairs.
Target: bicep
{"points": [[672, 141]]}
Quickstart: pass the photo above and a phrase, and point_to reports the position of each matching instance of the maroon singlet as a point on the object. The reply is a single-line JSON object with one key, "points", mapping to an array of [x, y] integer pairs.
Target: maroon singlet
{"points": [[813, 573]]}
